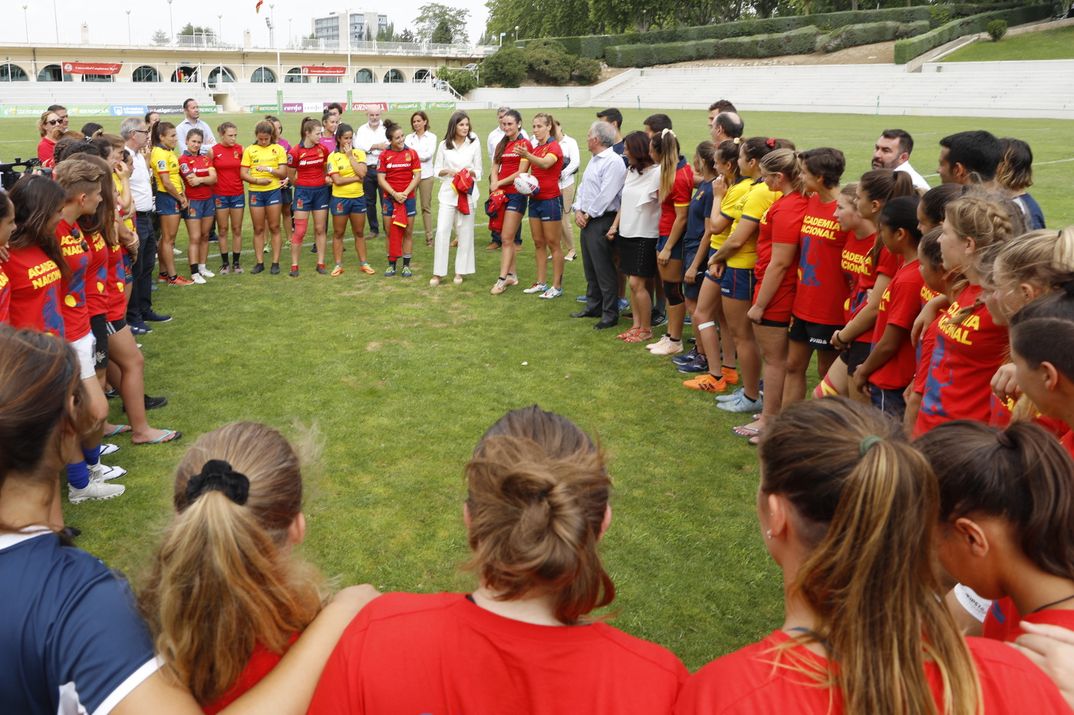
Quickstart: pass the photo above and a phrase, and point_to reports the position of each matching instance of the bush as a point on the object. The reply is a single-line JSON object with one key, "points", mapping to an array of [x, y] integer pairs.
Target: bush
{"points": [[795, 42], [462, 81], [545, 65], [996, 29], [586, 71], [906, 50], [868, 33], [507, 67]]}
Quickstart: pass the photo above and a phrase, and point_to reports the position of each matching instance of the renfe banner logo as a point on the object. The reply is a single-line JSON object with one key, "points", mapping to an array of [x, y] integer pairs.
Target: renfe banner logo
{"points": [[322, 71], [91, 68]]}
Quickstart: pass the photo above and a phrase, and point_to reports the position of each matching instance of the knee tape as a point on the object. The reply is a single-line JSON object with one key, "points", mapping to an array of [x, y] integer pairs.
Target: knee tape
{"points": [[706, 326], [673, 292], [825, 388], [300, 231]]}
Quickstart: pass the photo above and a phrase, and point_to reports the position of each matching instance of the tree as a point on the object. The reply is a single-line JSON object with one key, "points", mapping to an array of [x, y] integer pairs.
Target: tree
{"points": [[194, 31], [406, 36], [387, 34], [507, 67], [557, 18], [436, 20], [160, 37]]}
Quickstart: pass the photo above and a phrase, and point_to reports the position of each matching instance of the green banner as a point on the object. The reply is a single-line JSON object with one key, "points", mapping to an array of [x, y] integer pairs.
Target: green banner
{"points": [[392, 106], [34, 110], [258, 108], [440, 105]]}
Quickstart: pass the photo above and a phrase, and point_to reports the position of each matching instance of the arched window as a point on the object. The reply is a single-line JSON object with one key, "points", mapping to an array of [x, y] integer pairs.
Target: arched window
{"points": [[185, 73], [51, 73], [145, 73], [220, 74], [263, 75], [13, 73], [98, 78], [422, 76], [394, 75], [295, 76], [363, 76]]}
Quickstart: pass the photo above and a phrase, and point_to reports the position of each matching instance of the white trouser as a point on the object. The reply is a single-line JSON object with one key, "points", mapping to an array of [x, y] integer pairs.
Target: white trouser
{"points": [[448, 217]]}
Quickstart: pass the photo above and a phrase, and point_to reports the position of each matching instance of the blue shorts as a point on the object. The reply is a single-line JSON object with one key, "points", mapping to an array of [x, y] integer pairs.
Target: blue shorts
{"points": [[389, 205], [890, 402], [516, 202], [238, 201], [261, 199], [200, 208], [286, 195], [737, 283], [689, 253], [546, 209], [312, 198], [676, 250], [345, 207], [166, 205]]}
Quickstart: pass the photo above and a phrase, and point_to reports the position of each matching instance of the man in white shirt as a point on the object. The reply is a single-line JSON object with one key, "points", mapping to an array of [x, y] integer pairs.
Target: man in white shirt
{"points": [[372, 139], [892, 151], [140, 305], [193, 120]]}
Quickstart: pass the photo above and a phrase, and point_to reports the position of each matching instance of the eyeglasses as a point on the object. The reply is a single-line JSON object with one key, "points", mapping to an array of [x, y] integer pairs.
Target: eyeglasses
{"points": [[141, 131], [53, 121]]}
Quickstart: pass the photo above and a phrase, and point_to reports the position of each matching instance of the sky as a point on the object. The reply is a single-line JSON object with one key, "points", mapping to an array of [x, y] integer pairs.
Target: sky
{"points": [[107, 19]]}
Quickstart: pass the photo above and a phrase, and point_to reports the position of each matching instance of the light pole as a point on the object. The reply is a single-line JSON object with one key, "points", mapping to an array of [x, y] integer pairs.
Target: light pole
{"points": [[290, 36], [56, 21], [220, 28], [516, 30], [26, 22], [129, 42], [501, 38], [171, 23], [272, 33]]}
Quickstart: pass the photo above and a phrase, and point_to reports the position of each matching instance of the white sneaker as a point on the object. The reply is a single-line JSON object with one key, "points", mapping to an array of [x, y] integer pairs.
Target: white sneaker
{"points": [[664, 339], [93, 491], [536, 288], [108, 448], [206, 272], [551, 293], [176, 251], [104, 473], [670, 347], [196, 278], [498, 287], [511, 280]]}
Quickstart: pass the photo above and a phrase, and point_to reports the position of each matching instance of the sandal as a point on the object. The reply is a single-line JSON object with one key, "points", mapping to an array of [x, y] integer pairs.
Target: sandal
{"points": [[168, 436], [626, 334], [117, 430], [640, 336]]}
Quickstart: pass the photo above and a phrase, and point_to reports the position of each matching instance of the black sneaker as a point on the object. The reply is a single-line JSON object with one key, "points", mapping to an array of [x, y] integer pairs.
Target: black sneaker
{"points": [[293, 273], [111, 393], [152, 403], [685, 357], [275, 269], [140, 329], [154, 317], [659, 319], [322, 270], [313, 248], [259, 268], [698, 364]]}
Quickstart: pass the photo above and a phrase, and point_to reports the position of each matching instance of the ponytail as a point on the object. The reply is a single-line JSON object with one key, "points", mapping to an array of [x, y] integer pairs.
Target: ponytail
{"points": [[1044, 258], [1043, 331], [538, 494], [885, 184], [784, 161], [898, 214], [307, 126], [866, 504], [666, 146], [159, 130], [988, 223], [222, 582], [502, 146]]}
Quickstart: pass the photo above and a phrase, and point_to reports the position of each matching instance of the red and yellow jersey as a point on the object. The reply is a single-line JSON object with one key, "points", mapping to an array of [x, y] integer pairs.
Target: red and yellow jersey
{"points": [[822, 288], [309, 163], [116, 284], [96, 274], [510, 163], [5, 296], [226, 161], [165, 163], [191, 166], [861, 274], [969, 348], [899, 306], [682, 188], [76, 252], [127, 218], [338, 163], [35, 290], [782, 224], [547, 179], [271, 157], [399, 168], [731, 209]]}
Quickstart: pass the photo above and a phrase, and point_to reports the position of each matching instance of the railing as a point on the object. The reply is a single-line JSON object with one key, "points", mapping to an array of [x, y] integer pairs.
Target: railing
{"points": [[304, 45]]}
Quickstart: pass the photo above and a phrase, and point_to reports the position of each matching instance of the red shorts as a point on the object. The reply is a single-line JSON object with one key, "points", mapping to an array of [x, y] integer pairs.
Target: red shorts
{"points": [[779, 308]]}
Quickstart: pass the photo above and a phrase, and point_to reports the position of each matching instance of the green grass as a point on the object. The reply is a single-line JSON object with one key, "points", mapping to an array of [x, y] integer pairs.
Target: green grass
{"points": [[401, 379], [1056, 44]]}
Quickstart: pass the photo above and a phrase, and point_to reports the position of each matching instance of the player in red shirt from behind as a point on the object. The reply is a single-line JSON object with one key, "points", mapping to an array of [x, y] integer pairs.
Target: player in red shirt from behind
{"points": [[398, 174], [863, 630], [521, 642]]}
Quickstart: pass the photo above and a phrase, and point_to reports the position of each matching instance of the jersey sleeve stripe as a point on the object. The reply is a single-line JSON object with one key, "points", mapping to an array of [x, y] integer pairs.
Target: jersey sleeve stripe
{"points": [[127, 686]]}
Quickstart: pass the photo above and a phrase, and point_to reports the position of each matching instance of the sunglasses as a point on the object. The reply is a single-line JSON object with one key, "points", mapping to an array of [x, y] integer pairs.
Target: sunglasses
{"points": [[54, 121]]}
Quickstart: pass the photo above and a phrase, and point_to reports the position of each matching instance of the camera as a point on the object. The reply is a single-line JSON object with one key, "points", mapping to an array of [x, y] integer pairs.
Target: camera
{"points": [[9, 172]]}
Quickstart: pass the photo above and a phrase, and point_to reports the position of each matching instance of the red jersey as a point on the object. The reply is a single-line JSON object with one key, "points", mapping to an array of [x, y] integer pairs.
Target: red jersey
{"points": [[681, 190], [97, 275], [967, 353], [5, 296], [261, 663], [861, 274], [899, 306], [226, 161], [399, 168], [509, 163], [310, 164], [1067, 440], [440, 653], [925, 347], [1001, 622], [35, 290], [822, 288], [46, 148], [782, 223], [189, 166], [116, 284], [746, 683], [76, 252], [548, 179]]}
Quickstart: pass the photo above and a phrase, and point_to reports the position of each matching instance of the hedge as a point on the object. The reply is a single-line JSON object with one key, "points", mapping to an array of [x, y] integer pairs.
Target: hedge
{"points": [[596, 46], [906, 50], [868, 33], [799, 41]]}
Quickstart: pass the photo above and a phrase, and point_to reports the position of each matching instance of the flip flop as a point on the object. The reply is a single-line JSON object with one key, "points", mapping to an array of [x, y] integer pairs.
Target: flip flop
{"points": [[746, 431], [168, 436], [755, 440], [117, 430]]}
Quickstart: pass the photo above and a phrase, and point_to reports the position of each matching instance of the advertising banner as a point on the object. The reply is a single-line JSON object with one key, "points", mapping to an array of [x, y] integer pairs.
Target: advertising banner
{"points": [[365, 106], [91, 67], [440, 105], [165, 108], [293, 107], [404, 106], [323, 71], [128, 110], [258, 108]]}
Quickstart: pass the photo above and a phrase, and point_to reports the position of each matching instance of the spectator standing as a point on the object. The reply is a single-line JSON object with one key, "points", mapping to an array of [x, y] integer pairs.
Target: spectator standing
{"points": [[193, 120], [371, 139], [572, 161], [50, 128], [892, 151], [423, 142], [135, 135]]}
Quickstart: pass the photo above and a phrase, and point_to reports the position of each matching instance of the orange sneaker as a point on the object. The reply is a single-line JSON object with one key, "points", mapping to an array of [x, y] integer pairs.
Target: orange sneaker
{"points": [[729, 374], [367, 269], [180, 281], [337, 271], [706, 383]]}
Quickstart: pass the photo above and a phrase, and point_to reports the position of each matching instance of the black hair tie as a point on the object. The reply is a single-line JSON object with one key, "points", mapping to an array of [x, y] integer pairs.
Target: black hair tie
{"points": [[218, 475], [1068, 287]]}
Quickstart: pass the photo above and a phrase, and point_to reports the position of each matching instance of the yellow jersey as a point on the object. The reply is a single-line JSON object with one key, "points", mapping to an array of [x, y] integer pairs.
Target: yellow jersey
{"points": [[165, 162], [273, 156], [754, 207], [128, 221], [338, 163], [731, 208]]}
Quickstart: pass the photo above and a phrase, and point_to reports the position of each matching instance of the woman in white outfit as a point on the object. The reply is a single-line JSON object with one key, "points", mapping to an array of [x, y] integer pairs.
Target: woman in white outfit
{"points": [[423, 141], [572, 161], [459, 150]]}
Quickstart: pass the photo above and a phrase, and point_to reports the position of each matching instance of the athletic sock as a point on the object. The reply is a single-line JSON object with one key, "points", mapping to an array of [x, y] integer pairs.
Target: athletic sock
{"points": [[193, 269], [294, 266], [92, 454], [406, 261], [78, 475], [393, 263], [674, 340], [235, 257]]}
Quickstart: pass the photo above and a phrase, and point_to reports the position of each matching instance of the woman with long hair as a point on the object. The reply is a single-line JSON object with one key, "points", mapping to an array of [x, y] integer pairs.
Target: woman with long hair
{"points": [[522, 641], [848, 511], [347, 170], [545, 159], [197, 171], [228, 197], [170, 201], [263, 167], [424, 143], [1015, 175], [307, 164], [460, 151], [398, 175], [50, 127], [287, 194], [507, 164], [695, 241]]}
